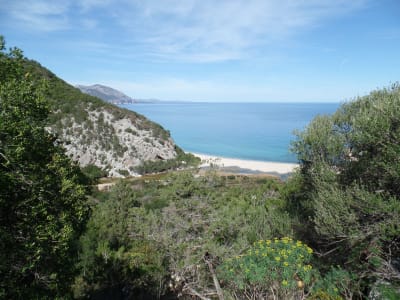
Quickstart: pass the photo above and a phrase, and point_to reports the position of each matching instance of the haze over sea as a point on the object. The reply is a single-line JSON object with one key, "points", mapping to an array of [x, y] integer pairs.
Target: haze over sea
{"points": [[255, 131]]}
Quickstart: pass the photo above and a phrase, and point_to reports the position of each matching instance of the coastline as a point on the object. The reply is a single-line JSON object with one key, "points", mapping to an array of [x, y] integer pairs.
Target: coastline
{"points": [[243, 164]]}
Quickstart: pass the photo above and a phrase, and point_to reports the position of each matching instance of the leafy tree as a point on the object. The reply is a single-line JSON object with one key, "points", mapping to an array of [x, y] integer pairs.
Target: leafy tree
{"points": [[346, 193], [42, 197]]}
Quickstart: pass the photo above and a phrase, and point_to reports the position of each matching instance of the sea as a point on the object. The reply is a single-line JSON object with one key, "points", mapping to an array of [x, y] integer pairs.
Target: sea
{"points": [[254, 131]]}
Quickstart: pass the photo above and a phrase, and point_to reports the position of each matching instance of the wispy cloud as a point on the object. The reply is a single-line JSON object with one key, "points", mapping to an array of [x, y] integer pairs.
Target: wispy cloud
{"points": [[38, 15], [190, 30], [223, 30]]}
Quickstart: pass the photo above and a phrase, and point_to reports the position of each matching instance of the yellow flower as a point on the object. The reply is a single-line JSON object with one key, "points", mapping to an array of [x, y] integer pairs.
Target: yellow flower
{"points": [[285, 263], [284, 282], [307, 268], [277, 258], [309, 250]]}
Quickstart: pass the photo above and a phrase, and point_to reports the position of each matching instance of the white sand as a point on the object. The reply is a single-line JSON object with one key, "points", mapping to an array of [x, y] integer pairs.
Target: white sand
{"points": [[254, 165]]}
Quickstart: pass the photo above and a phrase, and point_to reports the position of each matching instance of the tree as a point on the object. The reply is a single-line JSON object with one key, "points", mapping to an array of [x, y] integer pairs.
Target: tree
{"points": [[43, 207], [347, 187], [111, 259]]}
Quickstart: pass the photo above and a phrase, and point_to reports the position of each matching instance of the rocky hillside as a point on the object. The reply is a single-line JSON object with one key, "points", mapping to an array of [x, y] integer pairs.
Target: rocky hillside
{"points": [[98, 133], [106, 93]]}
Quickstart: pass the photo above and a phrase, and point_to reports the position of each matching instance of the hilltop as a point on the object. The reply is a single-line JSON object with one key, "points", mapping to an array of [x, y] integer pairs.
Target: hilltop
{"points": [[97, 133], [106, 93]]}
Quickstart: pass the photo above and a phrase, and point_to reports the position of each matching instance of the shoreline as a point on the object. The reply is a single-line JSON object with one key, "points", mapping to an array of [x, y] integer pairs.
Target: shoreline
{"points": [[252, 165]]}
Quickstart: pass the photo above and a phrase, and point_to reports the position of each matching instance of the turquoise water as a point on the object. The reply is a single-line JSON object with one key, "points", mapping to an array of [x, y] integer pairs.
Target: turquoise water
{"points": [[257, 131]]}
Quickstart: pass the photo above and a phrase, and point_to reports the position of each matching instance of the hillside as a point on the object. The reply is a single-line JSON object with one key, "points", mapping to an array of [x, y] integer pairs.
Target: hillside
{"points": [[106, 93], [97, 133]]}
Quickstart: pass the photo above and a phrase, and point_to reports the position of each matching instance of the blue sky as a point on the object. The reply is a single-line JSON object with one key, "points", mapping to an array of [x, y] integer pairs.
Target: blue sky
{"points": [[213, 50]]}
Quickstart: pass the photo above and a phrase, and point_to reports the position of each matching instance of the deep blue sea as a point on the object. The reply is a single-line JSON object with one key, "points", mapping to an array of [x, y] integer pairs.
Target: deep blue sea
{"points": [[256, 131]]}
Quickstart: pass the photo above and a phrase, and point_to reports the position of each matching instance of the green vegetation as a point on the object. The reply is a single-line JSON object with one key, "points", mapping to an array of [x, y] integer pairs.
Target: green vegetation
{"points": [[43, 207], [279, 266], [89, 122], [93, 172], [330, 232], [145, 231], [182, 160], [347, 196]]}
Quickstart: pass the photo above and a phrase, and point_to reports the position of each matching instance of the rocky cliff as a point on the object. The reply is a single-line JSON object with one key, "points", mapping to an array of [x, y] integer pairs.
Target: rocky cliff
{"points": [[98, 133]]}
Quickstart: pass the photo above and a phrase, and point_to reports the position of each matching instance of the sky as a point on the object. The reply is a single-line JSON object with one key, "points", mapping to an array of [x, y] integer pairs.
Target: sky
{"points": [[213, 50]]}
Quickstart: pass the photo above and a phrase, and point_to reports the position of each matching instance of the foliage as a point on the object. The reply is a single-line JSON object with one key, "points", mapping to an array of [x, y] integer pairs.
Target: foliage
{"points": [[42, 200], [183, 160], [109, 257], [347, 187], [93, 172], [75, 116], [183, 217], [279, 268], [336, 284]]}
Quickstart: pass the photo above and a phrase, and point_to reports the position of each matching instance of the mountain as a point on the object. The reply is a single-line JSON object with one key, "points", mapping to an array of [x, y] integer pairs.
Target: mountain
{"points": [[95, 132], [106, 93]]}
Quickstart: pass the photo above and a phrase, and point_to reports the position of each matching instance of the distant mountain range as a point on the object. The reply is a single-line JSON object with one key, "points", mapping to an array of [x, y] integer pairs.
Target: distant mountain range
{"points": [[106, 93]]}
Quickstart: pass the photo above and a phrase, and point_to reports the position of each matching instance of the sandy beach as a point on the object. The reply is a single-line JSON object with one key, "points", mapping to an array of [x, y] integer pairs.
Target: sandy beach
{"points": [[254, 165]]}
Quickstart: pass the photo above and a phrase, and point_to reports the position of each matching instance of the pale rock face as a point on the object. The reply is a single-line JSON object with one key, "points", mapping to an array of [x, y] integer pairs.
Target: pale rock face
{"points": [[122, 146], [106, 93]]}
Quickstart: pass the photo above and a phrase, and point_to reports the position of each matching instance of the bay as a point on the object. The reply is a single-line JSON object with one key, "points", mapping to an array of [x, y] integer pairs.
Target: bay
{"points": [[255, 131]]}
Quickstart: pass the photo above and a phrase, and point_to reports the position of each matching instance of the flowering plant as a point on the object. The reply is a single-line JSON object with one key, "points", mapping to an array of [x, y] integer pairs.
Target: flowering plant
{"points": [[279, 268]]}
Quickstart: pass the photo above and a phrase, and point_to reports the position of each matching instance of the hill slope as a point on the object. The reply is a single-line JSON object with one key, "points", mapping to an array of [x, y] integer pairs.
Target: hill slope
{"points": [[98, 133], [106, 93]]}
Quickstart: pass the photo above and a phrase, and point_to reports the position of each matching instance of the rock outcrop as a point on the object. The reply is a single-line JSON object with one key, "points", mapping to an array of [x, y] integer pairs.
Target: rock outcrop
{"points": [[95, 132]]}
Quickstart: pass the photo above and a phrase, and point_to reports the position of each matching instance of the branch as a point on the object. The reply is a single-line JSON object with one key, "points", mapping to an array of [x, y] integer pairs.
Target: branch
{"points": [[193, 292], [214, 276]]}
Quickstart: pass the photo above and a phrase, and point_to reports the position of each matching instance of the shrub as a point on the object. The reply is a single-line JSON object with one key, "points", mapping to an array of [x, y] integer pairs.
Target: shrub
{"points": [[93, 172], [278, 268]]}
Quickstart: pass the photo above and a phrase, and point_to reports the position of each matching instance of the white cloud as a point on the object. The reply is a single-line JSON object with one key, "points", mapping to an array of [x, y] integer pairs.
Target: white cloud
{"points": [[39, 15], [223, 30], [188, 30]]}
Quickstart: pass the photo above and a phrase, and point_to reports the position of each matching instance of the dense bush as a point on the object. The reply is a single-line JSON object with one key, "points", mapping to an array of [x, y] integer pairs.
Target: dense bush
{"points": [[182, 217], [43, 207], [347, 193], [183, 160], [277, 268], [93, 172]]}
